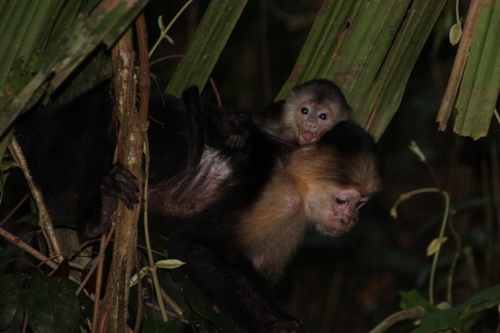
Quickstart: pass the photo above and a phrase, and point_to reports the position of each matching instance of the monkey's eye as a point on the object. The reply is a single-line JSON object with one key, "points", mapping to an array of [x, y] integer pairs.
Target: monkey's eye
{"points": [[323, 116], [340, 201], [304, 110]]}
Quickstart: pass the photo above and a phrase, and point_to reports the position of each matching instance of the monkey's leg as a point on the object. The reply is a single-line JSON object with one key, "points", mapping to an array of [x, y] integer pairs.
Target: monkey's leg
{"points": [[232, 282]]}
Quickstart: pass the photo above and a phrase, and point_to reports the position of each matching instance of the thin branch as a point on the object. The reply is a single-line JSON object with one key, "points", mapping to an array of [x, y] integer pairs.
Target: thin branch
{"points": [[173, 304], [98, 283], [24, 246], [413, 313], [441, 236], [13, 210], [172, 56], [143, 110], [140, 297], [45, 220], [393, 213], [163, 33], [98, 258], [458, 242], [216, 91]]}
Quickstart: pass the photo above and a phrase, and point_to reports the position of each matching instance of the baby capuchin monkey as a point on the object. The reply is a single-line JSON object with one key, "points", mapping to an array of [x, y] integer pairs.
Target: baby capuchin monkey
{"points": [[306, 114], [309, 111]]}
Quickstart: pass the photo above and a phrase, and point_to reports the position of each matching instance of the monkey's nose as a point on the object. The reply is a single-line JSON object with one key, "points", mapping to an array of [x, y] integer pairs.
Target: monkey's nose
{"points": [[344, 221]]}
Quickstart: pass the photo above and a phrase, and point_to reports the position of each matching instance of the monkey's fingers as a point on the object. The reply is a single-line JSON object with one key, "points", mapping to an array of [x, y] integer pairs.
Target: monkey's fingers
{"points": [[123, 175], [122, 184]]}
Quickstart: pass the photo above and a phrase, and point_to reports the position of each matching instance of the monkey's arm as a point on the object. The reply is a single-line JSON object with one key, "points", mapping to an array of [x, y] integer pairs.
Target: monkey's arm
{"points": [[236, 124], [272, 122], [212, 126]]}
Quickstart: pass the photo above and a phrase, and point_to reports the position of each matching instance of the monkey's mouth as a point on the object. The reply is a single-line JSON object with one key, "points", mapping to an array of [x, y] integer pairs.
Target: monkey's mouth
{"points": [[307, 137], [335, 227]]}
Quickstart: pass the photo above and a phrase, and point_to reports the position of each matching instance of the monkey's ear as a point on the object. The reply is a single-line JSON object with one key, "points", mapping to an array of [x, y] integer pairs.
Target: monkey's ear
{"points": [[191, 93]]}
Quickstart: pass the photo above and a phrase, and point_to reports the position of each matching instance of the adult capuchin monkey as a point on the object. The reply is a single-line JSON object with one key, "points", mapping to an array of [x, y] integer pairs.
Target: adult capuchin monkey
{"points": [[249, 234], [69, 150], [235, 216]]}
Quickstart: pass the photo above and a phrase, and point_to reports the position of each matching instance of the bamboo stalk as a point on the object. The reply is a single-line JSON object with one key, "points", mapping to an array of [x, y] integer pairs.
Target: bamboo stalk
{"points": [[457, 71], [481, 81]]}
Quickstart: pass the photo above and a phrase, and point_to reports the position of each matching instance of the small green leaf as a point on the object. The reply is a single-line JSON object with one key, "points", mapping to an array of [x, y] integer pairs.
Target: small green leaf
{"points": [[160, 23], [416, 149], [169, 39], [411, 299], [435, 245], [394, 213], [455, 33], [169, 263], [443, 306]]}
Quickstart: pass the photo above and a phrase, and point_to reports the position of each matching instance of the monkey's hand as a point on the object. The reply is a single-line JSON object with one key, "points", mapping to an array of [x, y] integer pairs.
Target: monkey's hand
{"points": [[236, 129], [119, 183]]}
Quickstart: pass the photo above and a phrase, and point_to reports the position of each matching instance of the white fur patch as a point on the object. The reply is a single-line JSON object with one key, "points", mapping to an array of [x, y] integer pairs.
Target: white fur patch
{"points": [[186, 195], [215, 166]]}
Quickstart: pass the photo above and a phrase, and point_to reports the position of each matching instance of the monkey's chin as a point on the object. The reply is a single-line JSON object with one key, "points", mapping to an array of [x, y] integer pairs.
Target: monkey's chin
{"points": [[306, 137], [335, 229]]}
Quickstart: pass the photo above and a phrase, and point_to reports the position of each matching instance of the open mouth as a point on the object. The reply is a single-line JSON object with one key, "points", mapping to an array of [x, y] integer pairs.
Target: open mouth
{"points": [[307, 137]]}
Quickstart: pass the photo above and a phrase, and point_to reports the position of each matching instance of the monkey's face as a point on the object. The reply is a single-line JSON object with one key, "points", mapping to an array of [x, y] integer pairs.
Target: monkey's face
{"points": [[333, 186], [313, 119], [334, 208]]}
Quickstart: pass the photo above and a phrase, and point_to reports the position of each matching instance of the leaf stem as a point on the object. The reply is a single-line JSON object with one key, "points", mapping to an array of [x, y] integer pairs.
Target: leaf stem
{"points": [[408, 195], [441, 235], [164, 31]]}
